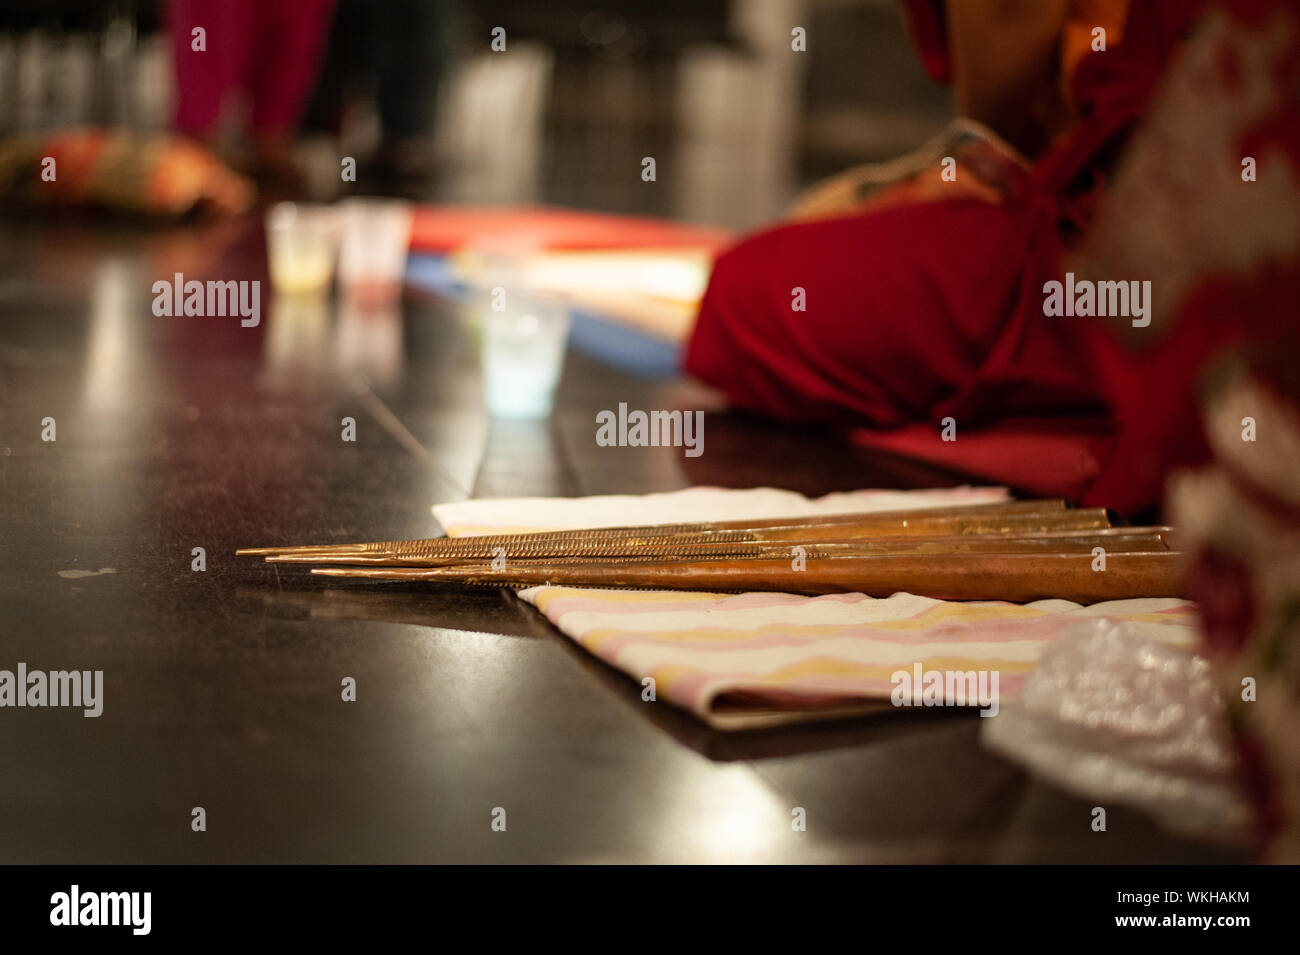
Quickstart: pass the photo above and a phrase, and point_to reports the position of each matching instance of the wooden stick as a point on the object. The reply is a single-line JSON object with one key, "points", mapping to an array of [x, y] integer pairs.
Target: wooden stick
{"points": [[1013, 577]]}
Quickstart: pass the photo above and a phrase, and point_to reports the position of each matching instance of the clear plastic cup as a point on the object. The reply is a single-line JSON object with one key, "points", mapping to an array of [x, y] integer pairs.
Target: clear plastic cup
{"points": [[376, 239], [302, 244], [523, 345]]}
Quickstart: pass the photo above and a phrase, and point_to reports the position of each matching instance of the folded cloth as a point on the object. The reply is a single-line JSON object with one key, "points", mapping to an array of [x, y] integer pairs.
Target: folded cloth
{"points": [[761, 659], [1047, 457]]}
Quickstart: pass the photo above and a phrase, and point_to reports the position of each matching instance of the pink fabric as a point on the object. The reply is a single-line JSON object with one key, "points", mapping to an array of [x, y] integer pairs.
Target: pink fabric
{"points": [[268, 49]]}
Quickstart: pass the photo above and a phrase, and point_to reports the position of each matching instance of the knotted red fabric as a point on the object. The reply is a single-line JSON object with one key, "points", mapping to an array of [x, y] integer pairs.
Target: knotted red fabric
{"points": [[924, 311]]}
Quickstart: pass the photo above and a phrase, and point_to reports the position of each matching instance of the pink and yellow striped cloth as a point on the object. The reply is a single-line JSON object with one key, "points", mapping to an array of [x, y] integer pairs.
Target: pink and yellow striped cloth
{"points": [[758, 659]]}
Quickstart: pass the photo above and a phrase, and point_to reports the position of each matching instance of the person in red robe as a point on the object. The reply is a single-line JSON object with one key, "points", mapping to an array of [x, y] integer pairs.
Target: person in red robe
{"points": [[924, 301]]}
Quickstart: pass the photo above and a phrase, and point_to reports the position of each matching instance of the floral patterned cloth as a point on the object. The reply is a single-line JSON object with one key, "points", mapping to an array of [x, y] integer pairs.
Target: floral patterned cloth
{"points": [[154, 174], [1206, 204]]}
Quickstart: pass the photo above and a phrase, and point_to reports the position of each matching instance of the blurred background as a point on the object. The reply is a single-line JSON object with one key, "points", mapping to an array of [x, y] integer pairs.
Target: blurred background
{"points": [[737, 122]]}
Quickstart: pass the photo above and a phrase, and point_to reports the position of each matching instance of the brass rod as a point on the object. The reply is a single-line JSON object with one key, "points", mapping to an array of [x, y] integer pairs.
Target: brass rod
{"points": [[883, 518], [1110, 539]]}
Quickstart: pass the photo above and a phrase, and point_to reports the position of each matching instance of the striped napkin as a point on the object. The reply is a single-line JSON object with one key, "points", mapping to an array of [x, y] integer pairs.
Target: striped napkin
{"points": [[762, 659]]}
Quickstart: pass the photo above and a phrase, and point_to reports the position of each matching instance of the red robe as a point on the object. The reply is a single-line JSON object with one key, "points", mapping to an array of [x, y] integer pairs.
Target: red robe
{"points": [[933, 310]]}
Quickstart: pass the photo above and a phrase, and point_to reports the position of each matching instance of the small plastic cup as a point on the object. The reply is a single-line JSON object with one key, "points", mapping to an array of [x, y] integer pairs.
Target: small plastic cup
{"points": [[523, 345], [302, 243], [376, 239]]}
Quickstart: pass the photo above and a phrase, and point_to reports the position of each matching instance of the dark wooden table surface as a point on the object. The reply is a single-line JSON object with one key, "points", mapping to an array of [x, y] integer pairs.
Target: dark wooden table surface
{"points": [[222, 688]]}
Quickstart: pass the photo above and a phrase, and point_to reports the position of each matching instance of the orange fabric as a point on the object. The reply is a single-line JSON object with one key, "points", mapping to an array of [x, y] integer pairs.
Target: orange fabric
{"points": [[148, 173]]}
